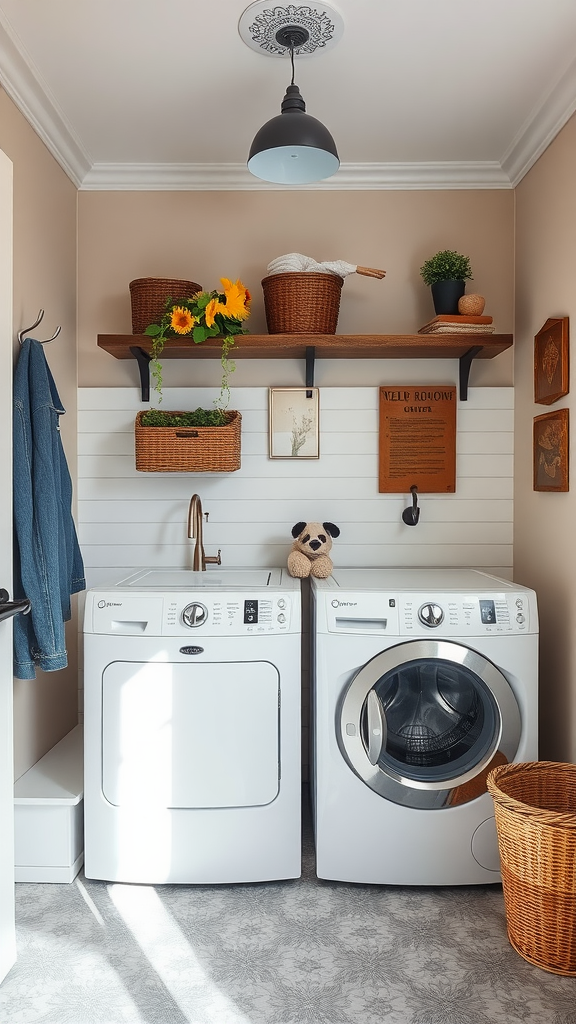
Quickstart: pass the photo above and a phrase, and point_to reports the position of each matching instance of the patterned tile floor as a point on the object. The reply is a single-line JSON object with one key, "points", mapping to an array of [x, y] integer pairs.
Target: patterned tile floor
{"points": [[301, 952]]}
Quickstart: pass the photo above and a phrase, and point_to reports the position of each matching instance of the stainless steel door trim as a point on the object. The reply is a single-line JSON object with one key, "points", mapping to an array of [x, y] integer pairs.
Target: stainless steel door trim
{"points": [[391, 784]]}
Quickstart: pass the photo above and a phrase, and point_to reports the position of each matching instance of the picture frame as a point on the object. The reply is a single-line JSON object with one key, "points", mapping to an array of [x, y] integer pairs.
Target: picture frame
{"points": [[550, 451], [294, 423], [551, 369]]}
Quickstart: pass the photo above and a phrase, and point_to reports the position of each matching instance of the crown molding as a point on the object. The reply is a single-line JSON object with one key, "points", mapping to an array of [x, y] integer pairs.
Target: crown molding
{"points": [[541, 127], [237, 178], [24, 88]]}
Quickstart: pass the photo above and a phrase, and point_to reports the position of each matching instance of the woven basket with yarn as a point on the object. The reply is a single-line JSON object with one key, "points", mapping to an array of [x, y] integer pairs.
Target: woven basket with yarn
{"points": [[535, 810], [149, 294], [302, 303]]}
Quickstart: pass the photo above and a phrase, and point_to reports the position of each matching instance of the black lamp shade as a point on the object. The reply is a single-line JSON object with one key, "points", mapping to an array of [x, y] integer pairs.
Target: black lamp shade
{"points": [[293, 148]]}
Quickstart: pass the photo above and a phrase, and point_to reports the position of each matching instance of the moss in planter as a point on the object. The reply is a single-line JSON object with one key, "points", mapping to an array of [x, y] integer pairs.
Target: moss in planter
{"points": [[198, 418]]}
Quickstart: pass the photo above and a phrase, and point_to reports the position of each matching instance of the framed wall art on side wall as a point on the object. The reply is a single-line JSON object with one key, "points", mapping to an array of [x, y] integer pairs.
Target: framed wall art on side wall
{"points": [[551, 451], [551, 368]]}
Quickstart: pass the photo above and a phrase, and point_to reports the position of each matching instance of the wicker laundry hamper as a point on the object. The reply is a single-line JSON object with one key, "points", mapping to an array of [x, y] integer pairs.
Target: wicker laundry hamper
{"points": [[149, 294], [535, 809], [188, 449], [302, 303]]}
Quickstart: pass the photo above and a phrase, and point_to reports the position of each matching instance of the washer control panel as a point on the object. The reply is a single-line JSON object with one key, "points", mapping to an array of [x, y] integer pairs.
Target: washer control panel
{"points": [[230, 614], [187, 614], [460, 614], [421, 614]]}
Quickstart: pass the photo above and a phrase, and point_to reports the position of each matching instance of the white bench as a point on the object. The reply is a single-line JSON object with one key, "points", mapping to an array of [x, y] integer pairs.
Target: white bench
{"points": [[48, 814]]}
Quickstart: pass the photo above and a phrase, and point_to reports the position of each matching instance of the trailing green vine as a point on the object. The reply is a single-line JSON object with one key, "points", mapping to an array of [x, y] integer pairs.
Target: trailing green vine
{"points": [[204, 315]]}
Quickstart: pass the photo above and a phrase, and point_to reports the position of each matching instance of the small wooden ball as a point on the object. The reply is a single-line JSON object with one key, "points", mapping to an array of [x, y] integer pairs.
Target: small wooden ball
{"points": [[471, 305]]}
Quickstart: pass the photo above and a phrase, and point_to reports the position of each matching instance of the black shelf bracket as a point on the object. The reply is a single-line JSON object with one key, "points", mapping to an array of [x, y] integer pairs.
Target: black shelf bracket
{"points": [[143, 359], [465, 362], [310, 361]]}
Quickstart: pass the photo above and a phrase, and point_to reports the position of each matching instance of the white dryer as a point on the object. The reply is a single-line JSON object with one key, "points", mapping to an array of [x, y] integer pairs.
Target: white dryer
{"points": [[192, 727], [423, 680]]}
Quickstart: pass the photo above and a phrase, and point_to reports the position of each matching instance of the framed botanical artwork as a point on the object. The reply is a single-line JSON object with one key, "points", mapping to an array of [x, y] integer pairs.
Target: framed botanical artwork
{"points": [[294, 427], [551, 361], [551, 451]]}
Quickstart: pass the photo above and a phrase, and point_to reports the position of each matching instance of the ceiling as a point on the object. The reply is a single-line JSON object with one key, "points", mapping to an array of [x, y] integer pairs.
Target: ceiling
{"points": [[164, 94]]}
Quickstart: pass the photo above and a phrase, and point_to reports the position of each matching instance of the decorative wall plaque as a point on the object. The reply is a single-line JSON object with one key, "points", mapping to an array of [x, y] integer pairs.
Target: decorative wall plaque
{"points": [[551, 451], [417, 439], [551, 361]]}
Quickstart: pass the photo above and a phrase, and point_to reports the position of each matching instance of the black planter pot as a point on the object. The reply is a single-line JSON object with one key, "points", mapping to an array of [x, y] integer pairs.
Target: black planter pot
{"points": [[445, 295]]}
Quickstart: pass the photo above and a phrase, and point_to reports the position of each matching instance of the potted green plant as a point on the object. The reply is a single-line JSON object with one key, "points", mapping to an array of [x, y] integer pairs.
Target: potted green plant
{"points": [[446, 273], [204, 440]]}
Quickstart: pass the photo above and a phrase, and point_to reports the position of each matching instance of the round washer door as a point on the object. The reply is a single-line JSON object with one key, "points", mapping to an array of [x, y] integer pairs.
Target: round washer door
{"points": [[424, 719]]}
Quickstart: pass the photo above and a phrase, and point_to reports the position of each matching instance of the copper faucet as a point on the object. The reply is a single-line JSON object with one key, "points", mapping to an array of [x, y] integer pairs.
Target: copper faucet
{"points": [[195, 531]]}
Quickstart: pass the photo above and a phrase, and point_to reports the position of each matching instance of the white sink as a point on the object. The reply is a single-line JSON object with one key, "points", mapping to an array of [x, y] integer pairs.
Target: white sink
{"points": [[187, 579]]}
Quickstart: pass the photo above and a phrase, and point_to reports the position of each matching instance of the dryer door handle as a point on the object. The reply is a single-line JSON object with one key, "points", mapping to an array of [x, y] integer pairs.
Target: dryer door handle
{"points": [[9, 608], [376, 727]]}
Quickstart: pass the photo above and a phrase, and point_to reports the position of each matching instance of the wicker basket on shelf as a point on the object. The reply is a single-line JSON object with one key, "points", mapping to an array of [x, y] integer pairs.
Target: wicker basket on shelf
{"points": [[149, 294], [188, 449], [302, 303], [535, 809]]}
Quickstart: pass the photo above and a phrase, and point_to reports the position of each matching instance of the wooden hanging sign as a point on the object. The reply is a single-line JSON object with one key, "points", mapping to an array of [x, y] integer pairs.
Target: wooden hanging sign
{"points": [[417, 439]]}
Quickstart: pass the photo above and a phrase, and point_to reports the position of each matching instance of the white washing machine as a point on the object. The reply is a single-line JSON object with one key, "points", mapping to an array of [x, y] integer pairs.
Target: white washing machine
{"points": [[423, 680], [192, 727]]}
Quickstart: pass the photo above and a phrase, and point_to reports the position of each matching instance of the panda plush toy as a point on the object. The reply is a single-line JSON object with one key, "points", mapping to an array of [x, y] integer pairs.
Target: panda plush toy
{"points": [[309, 555]]}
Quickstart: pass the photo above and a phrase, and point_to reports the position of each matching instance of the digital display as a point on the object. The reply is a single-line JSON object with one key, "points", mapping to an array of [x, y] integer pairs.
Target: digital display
{"points": [[487, 612], [250, 612]]}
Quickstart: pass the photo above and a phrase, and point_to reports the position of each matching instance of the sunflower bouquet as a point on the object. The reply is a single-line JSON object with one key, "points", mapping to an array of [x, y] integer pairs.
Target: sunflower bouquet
{"points": [[203, 315]]}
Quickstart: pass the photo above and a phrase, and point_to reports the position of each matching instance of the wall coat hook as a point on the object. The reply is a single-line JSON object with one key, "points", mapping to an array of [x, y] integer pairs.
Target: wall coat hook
{"points": [[411, 515]]}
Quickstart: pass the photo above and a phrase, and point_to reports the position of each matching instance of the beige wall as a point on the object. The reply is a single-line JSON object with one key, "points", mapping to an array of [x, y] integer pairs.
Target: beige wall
{"points": [[44, 277], [122, 236], [545, 536], [202, 236]]}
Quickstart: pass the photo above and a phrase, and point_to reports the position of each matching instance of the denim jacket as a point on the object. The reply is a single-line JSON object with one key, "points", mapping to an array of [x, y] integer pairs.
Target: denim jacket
{"points": [[48, 564]]}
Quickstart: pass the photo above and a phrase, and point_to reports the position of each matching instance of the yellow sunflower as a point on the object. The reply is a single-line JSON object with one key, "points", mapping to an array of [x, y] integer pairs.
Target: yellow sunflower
{"points": [[182, 320], [213, 307], [237, 299]]}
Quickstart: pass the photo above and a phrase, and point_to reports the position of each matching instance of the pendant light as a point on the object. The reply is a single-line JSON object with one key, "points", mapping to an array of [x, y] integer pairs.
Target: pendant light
{"points": [[293, 148]]}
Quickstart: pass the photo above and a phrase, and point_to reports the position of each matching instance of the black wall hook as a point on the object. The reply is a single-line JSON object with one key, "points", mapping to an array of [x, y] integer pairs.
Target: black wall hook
{"points": [[411, 515]]}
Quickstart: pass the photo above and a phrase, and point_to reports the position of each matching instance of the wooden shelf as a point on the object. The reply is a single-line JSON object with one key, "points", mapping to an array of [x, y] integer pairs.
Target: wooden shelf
{"points": [[464, 347], [328, 346]]}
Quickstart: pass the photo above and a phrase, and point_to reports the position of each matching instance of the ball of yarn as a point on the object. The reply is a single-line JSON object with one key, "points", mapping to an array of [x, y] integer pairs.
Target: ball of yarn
{"points": [[471, 305]]}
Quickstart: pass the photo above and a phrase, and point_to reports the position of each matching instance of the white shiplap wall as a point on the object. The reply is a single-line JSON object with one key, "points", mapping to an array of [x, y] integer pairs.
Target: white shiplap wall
{"points": [[128, 520]]}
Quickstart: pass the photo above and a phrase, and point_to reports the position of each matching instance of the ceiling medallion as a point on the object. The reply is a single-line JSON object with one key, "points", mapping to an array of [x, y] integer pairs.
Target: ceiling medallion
{"points": [[264, 28]]}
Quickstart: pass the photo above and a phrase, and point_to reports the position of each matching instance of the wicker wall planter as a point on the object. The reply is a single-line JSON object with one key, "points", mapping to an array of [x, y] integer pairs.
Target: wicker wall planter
{"points": [[188, 449], [535, 809], [149, 294], [302, 303]]}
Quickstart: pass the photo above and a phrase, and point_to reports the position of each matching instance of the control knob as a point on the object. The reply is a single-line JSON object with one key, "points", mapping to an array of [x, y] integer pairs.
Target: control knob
{"points": [[194, 615], [431, 615]]}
